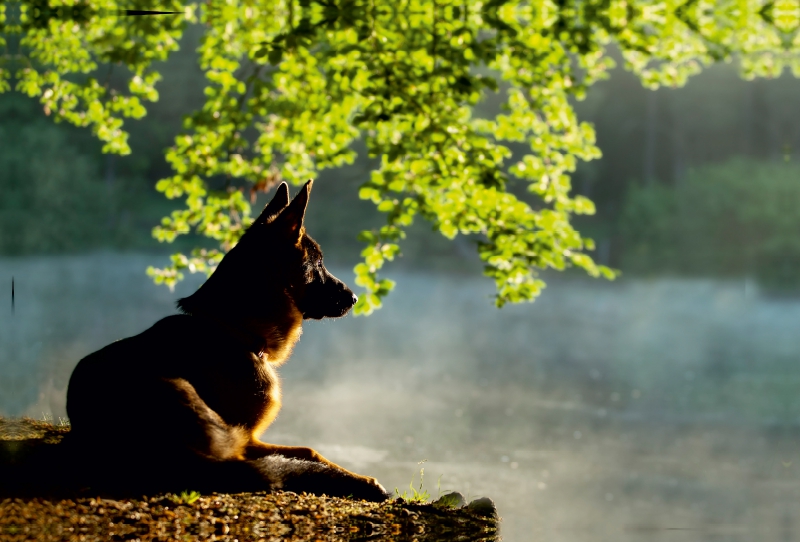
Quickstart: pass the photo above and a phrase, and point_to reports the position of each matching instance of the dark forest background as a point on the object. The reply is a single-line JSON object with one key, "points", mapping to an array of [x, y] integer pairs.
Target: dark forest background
{"points": [[698, 181]]}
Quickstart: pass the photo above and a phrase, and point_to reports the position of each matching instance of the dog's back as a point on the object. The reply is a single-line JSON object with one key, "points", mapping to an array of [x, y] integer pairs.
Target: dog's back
{"points": [[144, 392]]}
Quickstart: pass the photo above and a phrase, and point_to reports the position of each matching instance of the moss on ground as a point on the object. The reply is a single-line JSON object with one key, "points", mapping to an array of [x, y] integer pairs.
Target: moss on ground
{"points": [[245, 517]]}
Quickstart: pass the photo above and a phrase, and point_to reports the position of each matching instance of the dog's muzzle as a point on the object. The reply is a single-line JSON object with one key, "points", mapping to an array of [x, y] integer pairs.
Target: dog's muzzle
{"points": [[334, 305]]}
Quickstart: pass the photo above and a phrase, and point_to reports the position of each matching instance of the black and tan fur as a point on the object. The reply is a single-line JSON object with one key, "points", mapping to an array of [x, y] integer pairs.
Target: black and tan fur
{"points": [[182, 405]]}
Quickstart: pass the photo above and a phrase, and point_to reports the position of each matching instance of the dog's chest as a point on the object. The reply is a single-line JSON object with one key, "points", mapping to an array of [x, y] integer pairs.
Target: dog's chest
{"points": [[240, 389]]}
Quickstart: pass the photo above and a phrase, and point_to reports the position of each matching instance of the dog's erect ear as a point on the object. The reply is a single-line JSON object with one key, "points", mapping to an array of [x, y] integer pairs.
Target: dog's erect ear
{"points": [[291, 218], [279, 202]]}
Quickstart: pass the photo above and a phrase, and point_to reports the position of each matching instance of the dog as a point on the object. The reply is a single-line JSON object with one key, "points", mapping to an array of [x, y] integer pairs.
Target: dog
{"points": [[182, 405]]}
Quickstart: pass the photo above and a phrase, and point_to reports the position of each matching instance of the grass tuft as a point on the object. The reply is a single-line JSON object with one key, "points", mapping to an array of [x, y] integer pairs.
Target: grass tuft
{"points": [[413, 494]]}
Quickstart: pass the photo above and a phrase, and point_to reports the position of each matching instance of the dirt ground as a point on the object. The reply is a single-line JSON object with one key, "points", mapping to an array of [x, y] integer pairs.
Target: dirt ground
{"points": [[244, 517]]}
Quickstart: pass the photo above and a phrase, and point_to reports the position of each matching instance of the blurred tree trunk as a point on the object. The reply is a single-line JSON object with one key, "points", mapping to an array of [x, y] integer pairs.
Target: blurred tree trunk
{"points": [[766, 128], [110, 178], [650, 137], [679, 158], [748, 119]]}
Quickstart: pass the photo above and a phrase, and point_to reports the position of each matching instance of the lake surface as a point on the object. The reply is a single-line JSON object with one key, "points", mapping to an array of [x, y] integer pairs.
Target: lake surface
{"points": [[637, 410]]}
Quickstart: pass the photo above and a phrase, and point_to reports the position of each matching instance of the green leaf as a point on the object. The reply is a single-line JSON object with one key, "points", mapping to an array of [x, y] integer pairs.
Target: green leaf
{"points": [[275, 56]]}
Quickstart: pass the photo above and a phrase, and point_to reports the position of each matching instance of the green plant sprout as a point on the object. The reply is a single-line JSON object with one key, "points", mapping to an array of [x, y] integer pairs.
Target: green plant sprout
{"points": [[186, 497]]}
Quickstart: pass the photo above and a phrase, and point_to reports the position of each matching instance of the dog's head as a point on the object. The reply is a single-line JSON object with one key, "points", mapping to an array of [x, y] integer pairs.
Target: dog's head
{"points": [[276, 259], [315, 291]]}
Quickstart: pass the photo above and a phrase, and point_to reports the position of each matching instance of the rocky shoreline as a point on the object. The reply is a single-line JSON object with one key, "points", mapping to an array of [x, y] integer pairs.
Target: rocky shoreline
{"points": [[245, 517]]}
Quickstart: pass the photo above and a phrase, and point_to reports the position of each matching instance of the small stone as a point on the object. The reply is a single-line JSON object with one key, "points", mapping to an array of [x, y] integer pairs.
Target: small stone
{"points": [[483, 507], [409, 514], [450, 500]]}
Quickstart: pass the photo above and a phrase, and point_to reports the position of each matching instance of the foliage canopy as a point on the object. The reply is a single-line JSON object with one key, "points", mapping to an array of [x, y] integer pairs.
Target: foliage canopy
{"points": [[291, 84]]}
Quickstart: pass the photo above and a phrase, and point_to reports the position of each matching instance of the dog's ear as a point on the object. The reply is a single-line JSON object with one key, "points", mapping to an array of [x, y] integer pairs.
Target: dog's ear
{"points": [[279, 202], [291, 218]]}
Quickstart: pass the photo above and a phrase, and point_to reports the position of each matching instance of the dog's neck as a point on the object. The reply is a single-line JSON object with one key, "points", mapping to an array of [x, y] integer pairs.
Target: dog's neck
{"points": [[279, 335], [270, 339]]}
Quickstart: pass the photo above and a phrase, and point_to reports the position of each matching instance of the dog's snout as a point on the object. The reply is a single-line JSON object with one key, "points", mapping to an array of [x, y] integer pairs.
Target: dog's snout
{"points": [[347, 298], [328, 299]]}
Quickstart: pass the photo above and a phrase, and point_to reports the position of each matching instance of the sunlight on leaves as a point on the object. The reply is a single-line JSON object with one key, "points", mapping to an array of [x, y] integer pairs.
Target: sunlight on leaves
{"points": [[291, 85]]}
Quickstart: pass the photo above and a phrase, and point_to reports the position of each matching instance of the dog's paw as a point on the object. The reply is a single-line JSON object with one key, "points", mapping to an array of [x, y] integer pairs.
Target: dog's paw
{"points": [[377, 485], [369, 489]]}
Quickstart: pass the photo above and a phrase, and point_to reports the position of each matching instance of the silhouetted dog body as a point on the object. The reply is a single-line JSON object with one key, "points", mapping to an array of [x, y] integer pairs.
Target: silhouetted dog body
{"points": [[181, 405]]}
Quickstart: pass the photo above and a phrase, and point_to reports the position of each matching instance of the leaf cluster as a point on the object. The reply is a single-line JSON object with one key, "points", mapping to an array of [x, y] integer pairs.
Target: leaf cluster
{"points": [[54, 50], [312, 80]]}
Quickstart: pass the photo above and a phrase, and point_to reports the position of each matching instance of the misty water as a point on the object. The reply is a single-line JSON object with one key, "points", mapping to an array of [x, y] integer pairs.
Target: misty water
{"points": [[658, 410]]}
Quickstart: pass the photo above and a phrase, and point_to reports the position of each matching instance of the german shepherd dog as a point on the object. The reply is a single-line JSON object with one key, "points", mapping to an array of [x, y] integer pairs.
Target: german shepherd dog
{"points": [[181, 406]]}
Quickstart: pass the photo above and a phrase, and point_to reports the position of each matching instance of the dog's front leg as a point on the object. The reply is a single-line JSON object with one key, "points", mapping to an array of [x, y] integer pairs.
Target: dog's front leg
{"points": [[257, 449]]}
